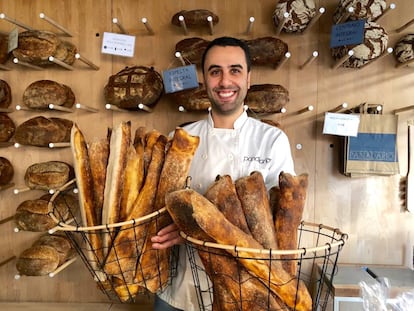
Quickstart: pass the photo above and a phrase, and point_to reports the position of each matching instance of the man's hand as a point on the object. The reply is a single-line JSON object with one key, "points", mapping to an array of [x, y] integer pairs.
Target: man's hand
{"points": [[167, 237]]}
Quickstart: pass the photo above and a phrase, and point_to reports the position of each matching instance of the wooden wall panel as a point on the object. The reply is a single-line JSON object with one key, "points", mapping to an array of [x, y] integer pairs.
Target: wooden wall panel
{"points": [[368, 208]]}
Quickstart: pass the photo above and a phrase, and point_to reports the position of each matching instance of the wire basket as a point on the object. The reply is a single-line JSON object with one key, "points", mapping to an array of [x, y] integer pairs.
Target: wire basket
{"points": [[126, 265], [224, 281]]}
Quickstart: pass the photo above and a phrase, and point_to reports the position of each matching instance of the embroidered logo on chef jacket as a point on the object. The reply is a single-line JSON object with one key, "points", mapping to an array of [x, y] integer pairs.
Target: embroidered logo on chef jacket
{"points": [[257, 159]]}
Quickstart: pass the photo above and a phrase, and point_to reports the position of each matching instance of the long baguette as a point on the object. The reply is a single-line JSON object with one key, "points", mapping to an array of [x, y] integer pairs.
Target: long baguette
{"points": [[86, 199], [292, 292], [119, 144]]}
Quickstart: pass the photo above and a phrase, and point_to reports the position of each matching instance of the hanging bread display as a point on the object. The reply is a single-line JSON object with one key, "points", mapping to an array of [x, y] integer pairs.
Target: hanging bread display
{"points": [[40, 94], [41, 131], [300, 13], [133, 86], [266, 98], [35, 47], [48, 175], [375, 43]]}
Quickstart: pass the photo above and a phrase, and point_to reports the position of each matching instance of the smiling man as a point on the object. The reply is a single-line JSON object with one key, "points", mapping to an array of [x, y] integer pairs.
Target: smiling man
{"points": [[231, 143]]}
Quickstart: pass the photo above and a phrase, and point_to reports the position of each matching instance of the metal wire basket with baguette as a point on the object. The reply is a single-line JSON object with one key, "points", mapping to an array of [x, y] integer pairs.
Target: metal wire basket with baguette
{"points": [[121, 183], [251, 251]]}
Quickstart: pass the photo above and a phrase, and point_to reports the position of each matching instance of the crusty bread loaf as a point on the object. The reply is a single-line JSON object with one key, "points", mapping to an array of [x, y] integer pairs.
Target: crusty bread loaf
{"points": [[293, 292], [41, 131], [192, 49], [6, 171], [368, 10], [192, 99], [133, 86], [404, 48], [66, 52], [48, 175], [267, 51], [36, 46], [38, 260], [194, 18], [40, 94], [300, 12], [5, 94], [60, 243], [7, 127], [266, 98]]}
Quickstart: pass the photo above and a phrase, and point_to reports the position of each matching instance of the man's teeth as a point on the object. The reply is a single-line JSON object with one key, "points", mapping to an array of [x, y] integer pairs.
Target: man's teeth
{"points": [[226, 94]]}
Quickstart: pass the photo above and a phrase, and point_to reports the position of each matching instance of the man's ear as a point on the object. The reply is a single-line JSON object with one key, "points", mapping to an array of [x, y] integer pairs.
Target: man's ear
{"points": [[248, 80]]}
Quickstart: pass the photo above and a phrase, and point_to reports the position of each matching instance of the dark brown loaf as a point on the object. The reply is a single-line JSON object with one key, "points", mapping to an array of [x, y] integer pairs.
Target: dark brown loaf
{"points": [[266, 98], [5, 94], [192, 99], [133, 86], [192, 49], [194, 18], [6, 171], [7, 127], [40, 94], [267, 51], [40, 131], [48, 175], [36, 46], [38, 260], [4, 48]]}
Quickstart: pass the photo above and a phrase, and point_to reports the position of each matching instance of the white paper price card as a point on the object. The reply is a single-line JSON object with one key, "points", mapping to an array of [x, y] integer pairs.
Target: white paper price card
{"points": [[341, 124], [118, 44]]}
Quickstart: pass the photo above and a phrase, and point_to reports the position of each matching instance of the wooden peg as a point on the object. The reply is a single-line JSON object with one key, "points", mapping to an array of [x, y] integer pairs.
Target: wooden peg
{"points": [[115, 108], [52, 22], [15, 22], [62, 267], [9, 185], [144, 107], [339, 108], [147, 25], [60, 63], [210, 24], [59, 108], [121, 28], [59, 145], [7, 219], [180, 57], [86, 61], [17, 61], [386, 11], [183, 24], [282, 23], [310, 59], [388, 52], [343, 59], [86, 108], [284, 60], [306, 109], [313, 21], [6, 261], [250, 25]]}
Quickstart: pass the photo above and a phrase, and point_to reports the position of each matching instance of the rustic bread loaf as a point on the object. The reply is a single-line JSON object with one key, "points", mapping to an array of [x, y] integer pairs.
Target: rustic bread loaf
{"points": [[192, 49], [60, 243], [374, 44], [66, 52], [40, 131], [36, 46], [194, 18], [133, 86], [404, 48], [192, 99], [6, 171], [4, 48], [7, 127], [5, 94], [300, 12], [48, 175], [266, 98], [363, 9], [40, 94], [267, 51], [38, 260]]}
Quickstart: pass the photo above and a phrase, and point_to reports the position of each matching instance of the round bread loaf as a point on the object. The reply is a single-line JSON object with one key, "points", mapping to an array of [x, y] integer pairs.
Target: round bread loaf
{"points": [[194, 18], [404, 48], [64, 206], [48, 175], [300, 12], [266, 98], [7, 127], [192, 49], [40, 131], [5, 94], [133, 86], [6, 171], [36, 46], [363, 9], [38, 260], [60, 243], [267, 51], [375, 43], [66, 52], [4, 48], [192, 99], [40, 94]]}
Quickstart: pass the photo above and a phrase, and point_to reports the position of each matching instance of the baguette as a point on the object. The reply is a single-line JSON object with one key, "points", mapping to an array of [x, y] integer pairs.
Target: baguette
{"points": [[292, 292], [255, 203], [289, 203], [86, 199]]}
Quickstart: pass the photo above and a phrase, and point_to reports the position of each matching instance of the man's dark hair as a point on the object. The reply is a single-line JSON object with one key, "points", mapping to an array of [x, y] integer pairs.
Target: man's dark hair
{"points": [[228, 41]]}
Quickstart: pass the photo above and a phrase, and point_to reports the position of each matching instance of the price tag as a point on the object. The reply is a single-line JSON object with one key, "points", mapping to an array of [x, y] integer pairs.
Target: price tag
{"points": [[180, 78], [118, 44], [341, 124], [349, 33]]}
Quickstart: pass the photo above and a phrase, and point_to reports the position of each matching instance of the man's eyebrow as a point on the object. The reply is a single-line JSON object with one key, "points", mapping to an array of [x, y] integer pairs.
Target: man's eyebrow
{"points": [[231, 66]]}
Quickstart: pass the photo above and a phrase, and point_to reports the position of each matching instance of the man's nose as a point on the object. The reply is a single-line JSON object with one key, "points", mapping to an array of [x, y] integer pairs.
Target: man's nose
{"points": [[225, 79]]}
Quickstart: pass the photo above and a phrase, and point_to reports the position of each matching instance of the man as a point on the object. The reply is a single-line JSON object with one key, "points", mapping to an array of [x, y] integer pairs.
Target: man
{"points": [[230, 143]]}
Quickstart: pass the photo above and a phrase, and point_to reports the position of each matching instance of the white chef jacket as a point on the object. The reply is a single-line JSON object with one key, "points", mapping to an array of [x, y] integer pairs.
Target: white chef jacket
{"points": [[251, 146]]}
